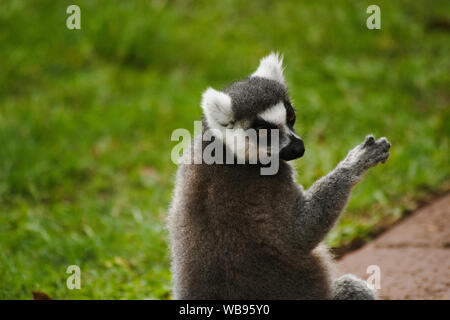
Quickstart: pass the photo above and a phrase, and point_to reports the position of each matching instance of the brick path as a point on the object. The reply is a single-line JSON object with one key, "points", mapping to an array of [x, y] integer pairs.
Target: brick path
{"points": [[413, 256]]}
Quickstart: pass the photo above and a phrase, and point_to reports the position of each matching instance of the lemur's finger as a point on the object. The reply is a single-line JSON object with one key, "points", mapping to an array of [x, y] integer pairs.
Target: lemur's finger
{"points": [[385, 157], [370, 139], [384, 143]]}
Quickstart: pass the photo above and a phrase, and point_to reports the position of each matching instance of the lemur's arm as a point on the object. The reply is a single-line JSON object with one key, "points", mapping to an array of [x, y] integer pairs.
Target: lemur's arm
{"points": [[318, 208]]}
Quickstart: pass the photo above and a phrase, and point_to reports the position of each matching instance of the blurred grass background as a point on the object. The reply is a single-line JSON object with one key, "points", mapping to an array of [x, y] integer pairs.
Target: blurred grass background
{"points": [[86, 118]]}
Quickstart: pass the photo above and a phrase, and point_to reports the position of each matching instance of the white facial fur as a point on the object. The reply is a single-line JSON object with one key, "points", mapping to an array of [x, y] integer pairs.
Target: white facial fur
{"points": [[271, 67], [275, 114]]}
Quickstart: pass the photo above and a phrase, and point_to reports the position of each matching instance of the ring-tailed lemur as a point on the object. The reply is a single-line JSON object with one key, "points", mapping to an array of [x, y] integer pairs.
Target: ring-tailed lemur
{"points": [[237, 234]]}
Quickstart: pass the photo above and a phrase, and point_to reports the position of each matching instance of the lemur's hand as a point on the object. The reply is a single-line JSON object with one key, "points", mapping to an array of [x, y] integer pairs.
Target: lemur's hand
{"points": [[367, 154]]}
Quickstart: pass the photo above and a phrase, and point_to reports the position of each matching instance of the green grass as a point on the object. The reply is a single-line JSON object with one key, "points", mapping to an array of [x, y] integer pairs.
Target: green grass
{"points": [[86, 118]]}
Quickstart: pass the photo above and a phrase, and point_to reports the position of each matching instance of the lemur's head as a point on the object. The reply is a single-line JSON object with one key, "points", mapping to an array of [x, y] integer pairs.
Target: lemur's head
{"points": [[258, 102]]}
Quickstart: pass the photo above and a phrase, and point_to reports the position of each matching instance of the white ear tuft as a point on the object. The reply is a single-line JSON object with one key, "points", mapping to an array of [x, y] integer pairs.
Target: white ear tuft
{"points": [[271, 67], [216, 107]]}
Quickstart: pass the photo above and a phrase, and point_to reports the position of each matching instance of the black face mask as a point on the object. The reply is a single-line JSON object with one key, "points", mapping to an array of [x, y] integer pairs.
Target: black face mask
{"points": [[295, 149]]}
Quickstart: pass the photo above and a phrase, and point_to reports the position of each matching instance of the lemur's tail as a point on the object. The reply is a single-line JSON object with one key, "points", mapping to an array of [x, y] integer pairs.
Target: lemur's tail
{"points": [[349, 287]]}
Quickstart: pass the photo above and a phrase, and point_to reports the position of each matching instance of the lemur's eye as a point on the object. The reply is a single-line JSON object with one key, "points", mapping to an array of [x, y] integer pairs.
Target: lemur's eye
{"points": [[291, 117]]}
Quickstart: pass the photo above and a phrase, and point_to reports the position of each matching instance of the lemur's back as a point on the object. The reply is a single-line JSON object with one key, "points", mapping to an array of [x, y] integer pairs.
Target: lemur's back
{"points": [[229, 229]]}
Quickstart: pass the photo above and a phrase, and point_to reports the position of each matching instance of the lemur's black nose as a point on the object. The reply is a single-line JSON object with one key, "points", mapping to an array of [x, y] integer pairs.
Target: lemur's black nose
{"points": [[294, 150], [299, 148]]}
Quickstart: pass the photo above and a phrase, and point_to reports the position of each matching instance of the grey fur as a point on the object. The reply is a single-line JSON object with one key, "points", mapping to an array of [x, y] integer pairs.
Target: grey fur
{"points": [[236, 234], [252, 95], [349, 287]]}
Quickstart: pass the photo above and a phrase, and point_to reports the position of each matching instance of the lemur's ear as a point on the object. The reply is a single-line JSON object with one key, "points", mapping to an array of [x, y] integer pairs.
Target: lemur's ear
{"points": [[271, 67], [216, 107]]}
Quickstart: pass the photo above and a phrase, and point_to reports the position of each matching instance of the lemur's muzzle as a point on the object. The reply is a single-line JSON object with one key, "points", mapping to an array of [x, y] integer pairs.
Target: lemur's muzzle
{"points": [[295, 149]]}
